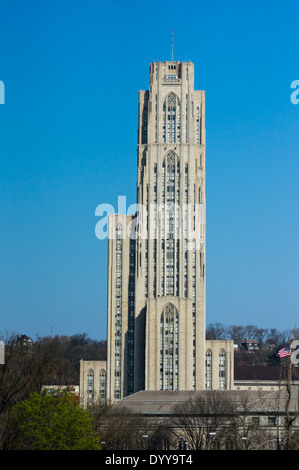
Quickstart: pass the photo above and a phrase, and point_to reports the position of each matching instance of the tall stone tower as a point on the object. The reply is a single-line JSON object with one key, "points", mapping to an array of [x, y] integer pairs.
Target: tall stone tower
{"points": [[157, 256], [156, 263]]}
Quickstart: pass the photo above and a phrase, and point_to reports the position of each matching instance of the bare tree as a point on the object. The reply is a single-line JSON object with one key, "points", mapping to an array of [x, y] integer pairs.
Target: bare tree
{"points": [[290, 400], [204, 421], [236, 333], [215, 331], [249, 331], [120, 429], [249, 433], [26, 370]]}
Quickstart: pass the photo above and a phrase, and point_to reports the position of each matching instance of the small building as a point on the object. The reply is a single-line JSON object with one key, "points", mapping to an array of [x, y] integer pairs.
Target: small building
{"points": [[24, 340], [250, 345], [70, 389], [93, 383]]}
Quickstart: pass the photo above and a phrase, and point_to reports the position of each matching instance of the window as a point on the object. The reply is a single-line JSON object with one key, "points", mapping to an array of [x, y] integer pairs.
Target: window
{"points": [[169, 348], [271, 421], [255, 421], [118, 313], [222, 370], [171, 127], [183, 445], [102, 386], [187, 114], [144, 132], [197, 125], [185, 222], [90, 387], [169, 224], [209, 369]]}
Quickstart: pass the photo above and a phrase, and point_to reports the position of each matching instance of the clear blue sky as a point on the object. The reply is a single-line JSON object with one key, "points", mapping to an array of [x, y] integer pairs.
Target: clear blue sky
{"points": [[70, 69]]}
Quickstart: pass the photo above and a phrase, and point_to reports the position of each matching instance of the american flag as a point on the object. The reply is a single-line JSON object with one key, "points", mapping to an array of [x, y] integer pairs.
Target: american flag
{"points": [[284, 352]]}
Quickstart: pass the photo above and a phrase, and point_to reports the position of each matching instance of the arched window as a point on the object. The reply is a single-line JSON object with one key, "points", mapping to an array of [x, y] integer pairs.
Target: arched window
{"points": [[169, 348], [185, 227], [222, 369], [170, 221], [144, 129], [90, 387], [102, 386], [171, 119], [209, 369], [197, 125], [118, 312]]}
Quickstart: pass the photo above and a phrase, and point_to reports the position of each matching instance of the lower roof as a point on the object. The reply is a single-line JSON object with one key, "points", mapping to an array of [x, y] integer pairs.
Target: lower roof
{"points": [[168, 401]]}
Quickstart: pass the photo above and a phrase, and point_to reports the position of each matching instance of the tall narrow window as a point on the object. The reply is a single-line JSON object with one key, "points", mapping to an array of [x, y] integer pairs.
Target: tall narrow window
{"points": [[209, 369], [178, 228], [197, 125], [146, 268], [118, 313], [169, 224], [145, 117], [164, 122], [131, 318], [186, 118], [90, 387], [155, 183], [185, 230], [169, 348], [156, 120], [155, 233], [102, 386], [194, 307], [171, 123], [222, 370], [162, 230], [170, 190], [178, 123]]}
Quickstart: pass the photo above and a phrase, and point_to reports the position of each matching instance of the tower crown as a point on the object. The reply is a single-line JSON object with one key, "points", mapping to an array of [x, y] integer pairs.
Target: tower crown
{"points": [[171, 111], [169, 72]]}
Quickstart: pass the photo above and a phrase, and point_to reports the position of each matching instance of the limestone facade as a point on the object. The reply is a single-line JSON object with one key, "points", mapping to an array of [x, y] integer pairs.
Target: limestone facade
{"points": [[93, 380], [157, 257], [159, 341], [219, 366]]}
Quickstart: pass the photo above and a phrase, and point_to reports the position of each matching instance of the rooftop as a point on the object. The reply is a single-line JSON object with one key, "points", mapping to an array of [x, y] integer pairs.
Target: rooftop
{"points": [[166, 402]]}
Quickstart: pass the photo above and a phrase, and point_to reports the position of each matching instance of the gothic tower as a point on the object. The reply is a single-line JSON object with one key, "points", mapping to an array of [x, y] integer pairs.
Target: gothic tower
{"points": [[156, 265], [170, 251]]}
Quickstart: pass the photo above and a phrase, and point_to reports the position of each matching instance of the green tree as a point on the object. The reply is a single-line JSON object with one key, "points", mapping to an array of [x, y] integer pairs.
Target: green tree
{"points": [[50, 422]]}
